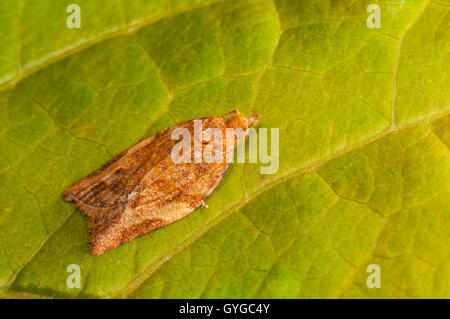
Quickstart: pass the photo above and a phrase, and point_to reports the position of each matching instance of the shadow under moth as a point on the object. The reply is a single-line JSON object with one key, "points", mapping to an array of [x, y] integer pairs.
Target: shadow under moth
{"points": [[143, 189]]}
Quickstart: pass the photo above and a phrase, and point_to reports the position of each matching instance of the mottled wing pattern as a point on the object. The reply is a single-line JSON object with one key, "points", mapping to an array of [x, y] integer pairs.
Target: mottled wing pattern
{"points": [[141, 189]]}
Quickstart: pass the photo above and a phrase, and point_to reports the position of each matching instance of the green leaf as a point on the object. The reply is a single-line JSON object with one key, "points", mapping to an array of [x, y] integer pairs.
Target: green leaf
{"points": [[364, 145]]}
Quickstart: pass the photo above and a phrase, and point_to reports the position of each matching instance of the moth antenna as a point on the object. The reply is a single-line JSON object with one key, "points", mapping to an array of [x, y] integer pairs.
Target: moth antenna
{"points": [[252, 120], [234, 112]]}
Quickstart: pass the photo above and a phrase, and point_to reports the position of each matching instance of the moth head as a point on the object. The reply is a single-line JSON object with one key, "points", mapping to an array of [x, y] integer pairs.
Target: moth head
{"points": [[237, 119]]}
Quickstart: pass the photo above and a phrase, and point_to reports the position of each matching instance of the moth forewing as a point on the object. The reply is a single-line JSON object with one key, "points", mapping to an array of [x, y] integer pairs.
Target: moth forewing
{"points": [[145, 188]]}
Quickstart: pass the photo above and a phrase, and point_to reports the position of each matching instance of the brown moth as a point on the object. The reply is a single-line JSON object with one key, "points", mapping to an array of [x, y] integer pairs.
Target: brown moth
{"points": [[142, 189]]}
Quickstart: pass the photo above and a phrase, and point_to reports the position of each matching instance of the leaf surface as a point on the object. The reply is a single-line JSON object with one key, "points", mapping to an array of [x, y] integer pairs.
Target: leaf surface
{"points": [[364, 136]]}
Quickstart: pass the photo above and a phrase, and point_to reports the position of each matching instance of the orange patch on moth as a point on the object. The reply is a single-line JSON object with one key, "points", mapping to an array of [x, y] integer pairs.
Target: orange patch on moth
{"points": [[141, 189]]}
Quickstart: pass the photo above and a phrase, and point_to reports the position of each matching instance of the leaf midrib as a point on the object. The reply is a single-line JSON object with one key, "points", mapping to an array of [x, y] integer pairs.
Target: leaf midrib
{"points": [[190, 240], [391, 130]]}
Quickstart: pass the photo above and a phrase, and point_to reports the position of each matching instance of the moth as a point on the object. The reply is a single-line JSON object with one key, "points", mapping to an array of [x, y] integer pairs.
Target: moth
{"points": [[143, 189]]}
